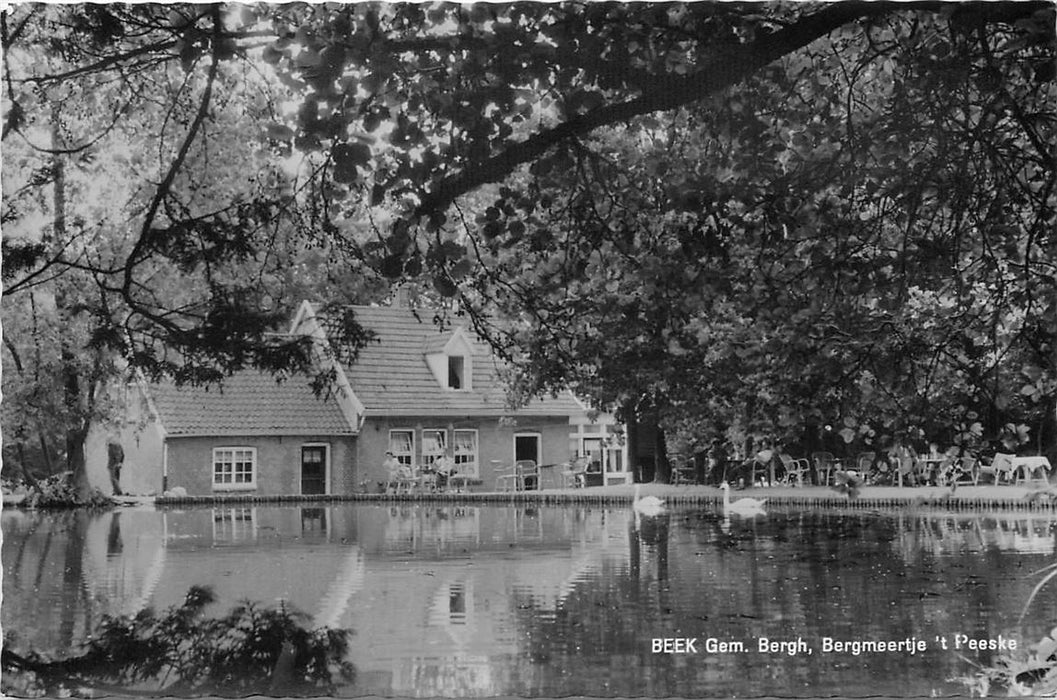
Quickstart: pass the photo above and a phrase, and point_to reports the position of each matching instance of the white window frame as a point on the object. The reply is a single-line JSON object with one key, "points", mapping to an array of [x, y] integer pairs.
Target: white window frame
{"points": [[429, 457], [233, 485], [326, 464], [461, 466], [406, 459]]}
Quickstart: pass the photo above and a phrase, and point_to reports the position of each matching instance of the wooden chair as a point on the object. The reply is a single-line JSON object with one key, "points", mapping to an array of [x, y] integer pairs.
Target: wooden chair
{"points": [[963, 471], [908, 466], [796, 470], [425, 482], [864, 464], [399, 483], [506, 477], [762, 469], [572, 473], [684, 475], [528, 473], [824, 464], [1002, 464]]}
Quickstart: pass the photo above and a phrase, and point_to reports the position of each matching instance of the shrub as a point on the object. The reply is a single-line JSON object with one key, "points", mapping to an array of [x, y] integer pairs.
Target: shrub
{"points": [[1031, 671], [247, 652], [58, 491]]}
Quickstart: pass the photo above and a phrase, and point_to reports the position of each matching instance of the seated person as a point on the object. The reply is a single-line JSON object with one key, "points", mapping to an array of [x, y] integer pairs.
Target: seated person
{"points": [[939, 464], [744, 474], [445, 469], [395, 471]]}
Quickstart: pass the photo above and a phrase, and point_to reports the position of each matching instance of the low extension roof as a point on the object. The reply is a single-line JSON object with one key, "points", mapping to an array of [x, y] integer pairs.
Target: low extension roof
{"points": [[392, 377], [248, 403]]}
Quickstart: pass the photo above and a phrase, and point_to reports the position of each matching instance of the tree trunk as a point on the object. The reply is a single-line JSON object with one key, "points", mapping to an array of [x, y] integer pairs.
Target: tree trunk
{"points": [[76, 427], [27, 475], [45, 450], [632, 435], [75, 461], [72, 577], [662, 471]]}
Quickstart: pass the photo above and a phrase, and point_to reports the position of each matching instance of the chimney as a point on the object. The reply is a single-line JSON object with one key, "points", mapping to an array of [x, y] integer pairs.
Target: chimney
{"points": [[401, 297]]}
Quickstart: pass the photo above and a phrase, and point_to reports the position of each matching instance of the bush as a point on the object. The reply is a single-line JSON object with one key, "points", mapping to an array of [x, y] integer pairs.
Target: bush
{"points": [[250, 651], [1031, 671], [59, 492]]}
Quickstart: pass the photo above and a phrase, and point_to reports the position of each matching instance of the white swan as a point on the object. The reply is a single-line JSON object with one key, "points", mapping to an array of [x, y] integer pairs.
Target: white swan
{"points": [[647, 505], [742, 506]]}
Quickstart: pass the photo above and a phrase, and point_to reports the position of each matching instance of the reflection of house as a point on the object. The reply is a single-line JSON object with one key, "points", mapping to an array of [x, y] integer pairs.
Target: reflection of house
{"points": [[263, 555], [418, 391]]}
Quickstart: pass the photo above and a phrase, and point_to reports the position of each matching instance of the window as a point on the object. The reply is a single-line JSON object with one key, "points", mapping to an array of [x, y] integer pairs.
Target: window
{"points": [[234, 468], [456, 372], [592, 449], [434, 445], [234, 524], [465, 444], [402, 445]]}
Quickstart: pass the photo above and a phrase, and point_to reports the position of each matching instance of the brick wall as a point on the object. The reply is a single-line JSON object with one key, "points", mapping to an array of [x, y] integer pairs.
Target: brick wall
{"points": [[495, 441], [278, 463]]}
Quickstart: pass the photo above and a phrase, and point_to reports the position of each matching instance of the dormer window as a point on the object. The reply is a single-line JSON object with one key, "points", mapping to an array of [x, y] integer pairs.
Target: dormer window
{"points": [[456, 372], [450, 358]]}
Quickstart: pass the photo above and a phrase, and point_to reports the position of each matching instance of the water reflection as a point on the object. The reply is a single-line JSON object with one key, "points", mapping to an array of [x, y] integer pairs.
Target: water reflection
{"points": [[469, 601]]}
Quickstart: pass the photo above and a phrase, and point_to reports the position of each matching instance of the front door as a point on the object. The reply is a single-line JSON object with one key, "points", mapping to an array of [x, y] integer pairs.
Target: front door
{"points": [[313, 469], [527, 446]]}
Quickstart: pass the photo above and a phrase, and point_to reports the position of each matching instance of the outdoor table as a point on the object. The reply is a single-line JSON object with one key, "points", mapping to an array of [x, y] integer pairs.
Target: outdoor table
{"points": [[1033, 468], [549, 476], [425, 479]]}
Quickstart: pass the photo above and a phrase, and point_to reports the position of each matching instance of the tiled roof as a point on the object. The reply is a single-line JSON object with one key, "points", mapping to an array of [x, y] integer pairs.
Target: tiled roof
{"points": [[248, 403], [391, 375]]}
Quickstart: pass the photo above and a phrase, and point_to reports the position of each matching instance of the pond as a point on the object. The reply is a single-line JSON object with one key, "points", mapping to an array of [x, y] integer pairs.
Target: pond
{"points": [[551, 601]]}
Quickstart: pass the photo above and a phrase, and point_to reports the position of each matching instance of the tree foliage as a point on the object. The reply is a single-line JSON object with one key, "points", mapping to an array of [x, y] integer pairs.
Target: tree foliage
{"points": [[807, 259], [149, 223], [750, 217]]}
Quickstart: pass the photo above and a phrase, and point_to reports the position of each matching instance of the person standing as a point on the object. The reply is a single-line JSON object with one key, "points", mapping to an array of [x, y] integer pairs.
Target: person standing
{"points": [[115, 459], [717, 462]]}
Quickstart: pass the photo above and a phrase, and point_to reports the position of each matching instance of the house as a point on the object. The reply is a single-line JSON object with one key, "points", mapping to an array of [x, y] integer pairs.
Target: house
{"points": [[422, 392], [417, 390], [252, 434]]}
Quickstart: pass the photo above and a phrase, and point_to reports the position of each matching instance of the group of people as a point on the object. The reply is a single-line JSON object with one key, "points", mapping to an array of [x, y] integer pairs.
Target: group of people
{"points": [[740, 472], [889, 462], [443, 468]]}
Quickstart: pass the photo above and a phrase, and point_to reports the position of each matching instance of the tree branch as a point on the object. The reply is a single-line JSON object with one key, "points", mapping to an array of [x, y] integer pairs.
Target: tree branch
{"points": [[166, 184], [670, 91], [667, 92]]}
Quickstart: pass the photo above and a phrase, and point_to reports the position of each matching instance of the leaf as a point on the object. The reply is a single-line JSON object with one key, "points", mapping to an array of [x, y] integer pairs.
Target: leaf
{"points": [[393, 266], [279, 132], [271, 54], [461, 269], [444, 286], [346, 157]]}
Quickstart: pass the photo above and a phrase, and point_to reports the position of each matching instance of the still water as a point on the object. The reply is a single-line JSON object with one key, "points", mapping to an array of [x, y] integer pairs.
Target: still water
{"points": [[552, 601]]}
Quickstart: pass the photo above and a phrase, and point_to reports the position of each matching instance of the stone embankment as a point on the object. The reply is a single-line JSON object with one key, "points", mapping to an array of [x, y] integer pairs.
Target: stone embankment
{"points": [[939, 498]]}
